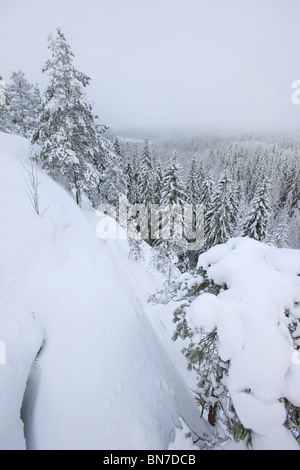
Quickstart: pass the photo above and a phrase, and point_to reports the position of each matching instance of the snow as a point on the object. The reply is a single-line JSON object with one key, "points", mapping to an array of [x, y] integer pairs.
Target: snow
{"points": [[183, 439], [284, 259], [22, 336], [292, 386], [266, 419], [203, 312], [103, 378], [262, 283]]}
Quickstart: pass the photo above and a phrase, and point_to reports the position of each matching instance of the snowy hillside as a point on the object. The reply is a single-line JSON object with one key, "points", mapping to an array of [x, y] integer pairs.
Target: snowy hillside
{"points": [[102, 378]]}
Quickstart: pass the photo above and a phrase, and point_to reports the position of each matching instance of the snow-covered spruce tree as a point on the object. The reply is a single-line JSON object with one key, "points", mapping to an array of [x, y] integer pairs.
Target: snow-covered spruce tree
{"points": [[220, 217], [258, 221], [117, 148], [146, 176], [253, 176], [3, 109], [165, 259], [241, 214], [293, 234], [236, 198], [173, 190], [213, 160], [128, 173], [205, 198], [293, 198], [290, 189], [146, 184], [200, 177], [194, 188], [3, 118], [212, 394], [158, 181], [2, 91], [136, 252], [132, 178], [173, 197], [114, 179], [23, 105], [206, 191], [278, 233], [194, 182], [67, 132]]}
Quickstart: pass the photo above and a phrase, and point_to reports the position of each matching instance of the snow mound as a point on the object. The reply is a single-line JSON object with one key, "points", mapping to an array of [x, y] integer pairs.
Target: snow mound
{"points": [[102, 379], [250, 316]]}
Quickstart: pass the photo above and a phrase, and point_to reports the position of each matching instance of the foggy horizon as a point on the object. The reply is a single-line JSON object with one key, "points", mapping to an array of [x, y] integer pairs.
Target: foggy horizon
{"points": [[171, 65]]}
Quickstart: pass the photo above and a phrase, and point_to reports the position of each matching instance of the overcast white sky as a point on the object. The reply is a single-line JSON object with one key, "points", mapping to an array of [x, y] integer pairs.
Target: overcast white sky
{"points": [[177, 63]]}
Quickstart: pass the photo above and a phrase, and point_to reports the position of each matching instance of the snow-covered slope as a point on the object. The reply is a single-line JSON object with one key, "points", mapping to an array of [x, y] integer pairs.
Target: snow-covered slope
{"points": [[102, 379]]}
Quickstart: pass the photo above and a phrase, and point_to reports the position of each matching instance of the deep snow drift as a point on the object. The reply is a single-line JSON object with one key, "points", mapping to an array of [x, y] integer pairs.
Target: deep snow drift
{"points": [[103, 379]]}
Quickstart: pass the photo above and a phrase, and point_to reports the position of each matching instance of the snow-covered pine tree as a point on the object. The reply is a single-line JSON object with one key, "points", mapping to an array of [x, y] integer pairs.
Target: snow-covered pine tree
{"points": [[202, 355], [220, 217], [67, 132], [23, 105], [258, 221]]}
